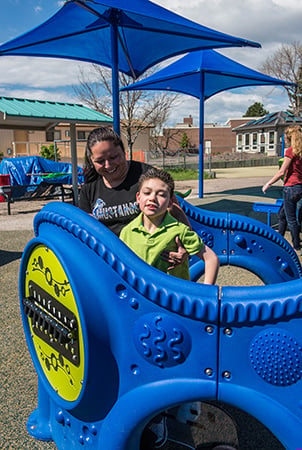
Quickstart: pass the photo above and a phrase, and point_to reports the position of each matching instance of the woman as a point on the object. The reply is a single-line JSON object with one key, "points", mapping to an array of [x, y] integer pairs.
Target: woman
{"points": [[291, 170], [109, 190], [109, 194]]}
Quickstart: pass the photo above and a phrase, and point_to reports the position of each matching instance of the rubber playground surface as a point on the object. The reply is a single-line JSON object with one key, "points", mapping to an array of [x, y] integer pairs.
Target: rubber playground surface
{"points": [[233, 190]]}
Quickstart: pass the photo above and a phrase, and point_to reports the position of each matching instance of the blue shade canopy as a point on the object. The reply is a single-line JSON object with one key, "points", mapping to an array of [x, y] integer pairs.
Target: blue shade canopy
{"points": [[219, 73], [129, 36], [203, 74], [146, 34]]}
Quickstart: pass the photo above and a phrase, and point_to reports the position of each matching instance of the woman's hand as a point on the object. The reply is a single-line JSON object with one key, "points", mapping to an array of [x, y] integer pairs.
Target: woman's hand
{"points": [[278, 175], [265, 187], [175, 258]]}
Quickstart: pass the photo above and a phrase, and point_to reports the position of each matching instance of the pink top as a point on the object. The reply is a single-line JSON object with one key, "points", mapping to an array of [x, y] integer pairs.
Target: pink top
{"points": [[294, 172]]}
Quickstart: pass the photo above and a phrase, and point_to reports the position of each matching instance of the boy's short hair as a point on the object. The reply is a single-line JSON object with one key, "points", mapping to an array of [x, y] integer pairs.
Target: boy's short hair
{"points": [[161, 175]]}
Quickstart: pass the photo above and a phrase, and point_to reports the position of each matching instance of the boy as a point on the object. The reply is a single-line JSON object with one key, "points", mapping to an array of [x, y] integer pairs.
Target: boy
{"points": [[149, 235], [155, 230]]}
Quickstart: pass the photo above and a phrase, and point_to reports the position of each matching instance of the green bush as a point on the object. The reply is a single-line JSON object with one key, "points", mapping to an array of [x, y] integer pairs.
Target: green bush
{"points": [[49, 152]]}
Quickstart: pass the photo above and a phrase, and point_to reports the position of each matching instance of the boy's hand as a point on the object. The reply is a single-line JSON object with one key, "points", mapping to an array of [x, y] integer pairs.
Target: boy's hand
{"points": [[175, 258]]}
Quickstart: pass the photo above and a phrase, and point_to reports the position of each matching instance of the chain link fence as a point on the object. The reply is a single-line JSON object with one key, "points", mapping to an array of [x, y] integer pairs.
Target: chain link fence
{"points": [[180, 159]]}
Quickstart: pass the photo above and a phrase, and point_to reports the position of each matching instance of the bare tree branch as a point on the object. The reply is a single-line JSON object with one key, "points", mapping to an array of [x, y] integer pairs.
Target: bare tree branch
{"points": [[286, 64], [89, 93], [139, 109]]}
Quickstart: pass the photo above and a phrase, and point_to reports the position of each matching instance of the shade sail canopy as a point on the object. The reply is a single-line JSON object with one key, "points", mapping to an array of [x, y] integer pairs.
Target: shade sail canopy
{"points": [[146, 34], [203, 74], [219, 74], [126, 36]]}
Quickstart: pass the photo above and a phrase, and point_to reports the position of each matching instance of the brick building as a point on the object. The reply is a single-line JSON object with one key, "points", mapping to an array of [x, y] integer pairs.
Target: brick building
{"points": [[218, 138]]}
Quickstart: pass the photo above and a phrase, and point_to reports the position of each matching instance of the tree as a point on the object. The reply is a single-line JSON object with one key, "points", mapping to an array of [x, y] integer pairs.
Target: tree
{"points": [[168, 135], [139, 109], [286, 64], [255, 110], [50, 152], [185, 141]]}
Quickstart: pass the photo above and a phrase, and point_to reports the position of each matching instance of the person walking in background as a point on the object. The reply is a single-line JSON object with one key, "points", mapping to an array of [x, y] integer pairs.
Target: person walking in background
{"points": [[291, 170], [282, 225]]}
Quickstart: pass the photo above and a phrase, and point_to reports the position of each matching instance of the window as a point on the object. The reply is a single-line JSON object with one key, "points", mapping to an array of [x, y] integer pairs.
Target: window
{"points": [[83, 134], [53, 135], [262, 142], [239, 142], [254, 139], [247, 139], [271, 140], [67, 133]]}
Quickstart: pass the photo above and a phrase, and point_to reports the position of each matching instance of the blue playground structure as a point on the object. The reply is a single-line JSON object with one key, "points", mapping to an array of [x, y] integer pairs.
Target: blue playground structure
{"points": [[114, 341]]}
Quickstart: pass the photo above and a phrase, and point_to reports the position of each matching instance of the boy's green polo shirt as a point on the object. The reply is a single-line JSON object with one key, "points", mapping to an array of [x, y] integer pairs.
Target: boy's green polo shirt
{"points": [[149, 246]]}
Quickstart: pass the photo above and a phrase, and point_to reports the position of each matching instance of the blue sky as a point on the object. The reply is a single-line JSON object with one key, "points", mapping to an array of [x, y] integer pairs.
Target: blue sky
{"points": [[270, 22], [18, 16]]}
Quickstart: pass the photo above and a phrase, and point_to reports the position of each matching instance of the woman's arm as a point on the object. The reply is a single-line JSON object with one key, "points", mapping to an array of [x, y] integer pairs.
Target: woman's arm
{"points": [[177, 212], [211, 261], [176, 258], [278, 175]]}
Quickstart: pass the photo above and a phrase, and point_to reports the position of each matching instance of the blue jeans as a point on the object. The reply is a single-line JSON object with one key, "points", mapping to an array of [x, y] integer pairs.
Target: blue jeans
{"points": [[291, 196]]}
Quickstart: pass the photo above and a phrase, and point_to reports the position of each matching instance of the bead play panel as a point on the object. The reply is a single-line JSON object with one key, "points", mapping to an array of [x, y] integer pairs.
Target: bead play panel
{"points": [[54, 322]]}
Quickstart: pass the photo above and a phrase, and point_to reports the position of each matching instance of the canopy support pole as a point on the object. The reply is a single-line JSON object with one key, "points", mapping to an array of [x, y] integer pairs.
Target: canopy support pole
{"points": [[74, 163], [282, 145], [201, 134], [115, 79]]}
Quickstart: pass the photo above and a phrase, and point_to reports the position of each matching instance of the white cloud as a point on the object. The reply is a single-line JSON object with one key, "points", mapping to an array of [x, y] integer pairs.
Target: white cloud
{"points": [[268, 22], [225, 105], [37, 9], [38, 72], [235, 104], [38, 94]]}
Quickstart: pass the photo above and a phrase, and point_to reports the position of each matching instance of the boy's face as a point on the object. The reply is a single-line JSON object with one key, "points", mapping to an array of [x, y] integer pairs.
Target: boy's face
{"points": [[154, 198]]}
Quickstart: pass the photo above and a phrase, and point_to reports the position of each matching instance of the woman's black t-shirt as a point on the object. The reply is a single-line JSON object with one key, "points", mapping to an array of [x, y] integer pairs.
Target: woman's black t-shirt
{"points": [[114, 207]]}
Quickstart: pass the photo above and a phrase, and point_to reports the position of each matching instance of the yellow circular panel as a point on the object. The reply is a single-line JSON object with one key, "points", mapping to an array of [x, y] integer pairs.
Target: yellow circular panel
{"points": [[54, 322]]}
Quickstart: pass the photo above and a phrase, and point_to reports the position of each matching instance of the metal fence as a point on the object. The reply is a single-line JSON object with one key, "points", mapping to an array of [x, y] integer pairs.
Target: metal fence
{"points": [[180, 159]]}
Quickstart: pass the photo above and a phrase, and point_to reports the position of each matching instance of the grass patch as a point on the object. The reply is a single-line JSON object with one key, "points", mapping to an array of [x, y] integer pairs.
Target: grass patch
{"points": [[186, 174], [183, 174]]}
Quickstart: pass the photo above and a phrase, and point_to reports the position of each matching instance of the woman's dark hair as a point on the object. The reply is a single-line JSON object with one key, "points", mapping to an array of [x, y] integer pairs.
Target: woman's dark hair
{"points": [[98, 135], [160, 174]]}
